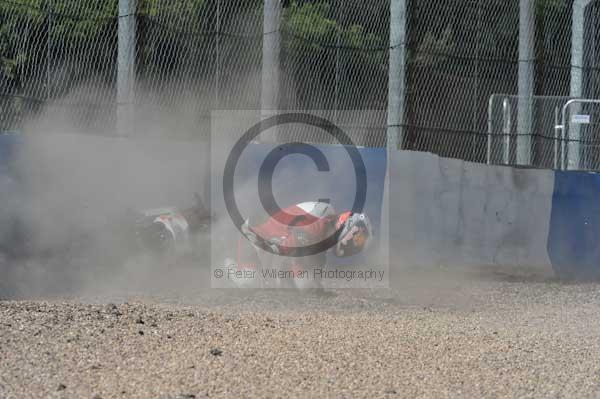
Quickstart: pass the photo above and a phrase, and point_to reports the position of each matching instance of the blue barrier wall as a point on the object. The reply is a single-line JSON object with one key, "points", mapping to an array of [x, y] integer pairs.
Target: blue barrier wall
{"points": [[10, 190], [8, 146], [574, 236]]}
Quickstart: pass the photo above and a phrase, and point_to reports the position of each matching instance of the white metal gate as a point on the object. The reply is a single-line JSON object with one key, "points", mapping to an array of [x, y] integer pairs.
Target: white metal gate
{"points": [[579, 128], [525, 131]]}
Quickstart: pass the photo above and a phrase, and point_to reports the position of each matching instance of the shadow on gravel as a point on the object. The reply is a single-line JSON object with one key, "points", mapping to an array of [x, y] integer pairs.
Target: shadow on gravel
{"points": [[431, 287], [511, 274]]}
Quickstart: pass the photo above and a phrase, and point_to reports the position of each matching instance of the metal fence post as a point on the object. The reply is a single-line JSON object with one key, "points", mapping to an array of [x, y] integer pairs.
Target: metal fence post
{"points": [[506, 130], [126, 66], [395, 111], [577, 39], [557, 135], [218, 57], [526, 66], [338, 43], [396, 78], [270, 61], [488, 156], [50, 10]]}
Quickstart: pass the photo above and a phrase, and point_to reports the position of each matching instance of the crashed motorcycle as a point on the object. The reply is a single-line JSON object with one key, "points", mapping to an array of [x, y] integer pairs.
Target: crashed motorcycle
{"points": [[169, 231]]}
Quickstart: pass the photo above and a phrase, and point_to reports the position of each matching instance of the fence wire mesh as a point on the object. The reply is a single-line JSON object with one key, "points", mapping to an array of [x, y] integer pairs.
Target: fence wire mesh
{"points": [[193, 56], [50, 51]]}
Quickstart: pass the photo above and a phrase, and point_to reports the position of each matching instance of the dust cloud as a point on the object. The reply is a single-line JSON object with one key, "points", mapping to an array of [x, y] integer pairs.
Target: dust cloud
{"points": [[64, 229], [66, 220]]}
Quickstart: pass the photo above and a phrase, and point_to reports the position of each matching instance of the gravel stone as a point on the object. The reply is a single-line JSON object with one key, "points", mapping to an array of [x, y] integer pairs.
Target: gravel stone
{"points": [[216, 352], [474, 336]]}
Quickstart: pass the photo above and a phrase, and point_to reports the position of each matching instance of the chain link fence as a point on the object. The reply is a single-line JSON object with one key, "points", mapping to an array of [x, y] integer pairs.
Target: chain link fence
{"points": [[60, 57], [49, 54]]}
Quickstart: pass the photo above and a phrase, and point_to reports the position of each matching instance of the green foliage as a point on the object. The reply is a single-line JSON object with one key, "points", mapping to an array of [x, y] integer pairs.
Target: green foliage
{"points": [[188, 10], [310, 23], [12, 44], [322, 40], [32, 30], [556, 5], [321, 49], [433, 48]]}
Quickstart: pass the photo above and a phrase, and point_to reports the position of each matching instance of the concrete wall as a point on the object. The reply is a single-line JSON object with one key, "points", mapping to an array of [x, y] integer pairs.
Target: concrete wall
{"points": [[450, 212]]}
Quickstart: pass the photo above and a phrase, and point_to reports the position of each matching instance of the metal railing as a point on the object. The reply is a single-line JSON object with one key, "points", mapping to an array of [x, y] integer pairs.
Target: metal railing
{"points": [[551, 132], [527, 131], [580, 135]]}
